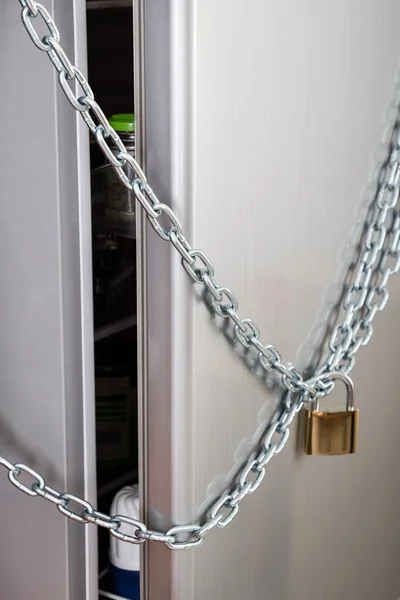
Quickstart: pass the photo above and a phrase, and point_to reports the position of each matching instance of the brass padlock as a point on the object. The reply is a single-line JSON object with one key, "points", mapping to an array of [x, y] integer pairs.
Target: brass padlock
{"points": [[332, 433]]}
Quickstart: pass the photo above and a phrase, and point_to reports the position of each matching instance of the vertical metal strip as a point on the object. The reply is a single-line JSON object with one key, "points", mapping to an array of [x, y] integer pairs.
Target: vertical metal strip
{"points": [[139, 103], [76, 290], [86, 297], [162, 107]]}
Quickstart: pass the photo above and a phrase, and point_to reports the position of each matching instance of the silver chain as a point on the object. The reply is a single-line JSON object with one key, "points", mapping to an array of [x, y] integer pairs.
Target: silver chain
{"points": [[179, 537], [347, 337], [365, 296]]}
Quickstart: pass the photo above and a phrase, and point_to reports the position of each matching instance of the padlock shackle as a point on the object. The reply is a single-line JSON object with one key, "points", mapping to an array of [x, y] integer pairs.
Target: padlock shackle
{"points": [[349, 387]]}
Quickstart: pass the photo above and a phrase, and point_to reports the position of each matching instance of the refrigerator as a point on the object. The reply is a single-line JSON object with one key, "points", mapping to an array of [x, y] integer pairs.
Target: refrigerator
{"points": [[264, 126]]}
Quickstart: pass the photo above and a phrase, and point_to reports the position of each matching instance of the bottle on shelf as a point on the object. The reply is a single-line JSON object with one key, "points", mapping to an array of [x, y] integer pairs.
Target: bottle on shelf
{"points": [[125, 558], [113, 203]]}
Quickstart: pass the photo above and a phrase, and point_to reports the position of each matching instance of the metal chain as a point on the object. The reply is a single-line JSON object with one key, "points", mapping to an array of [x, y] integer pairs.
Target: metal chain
{"points": [[348, 336], [179, 537], [379, 259], [367, 294]]}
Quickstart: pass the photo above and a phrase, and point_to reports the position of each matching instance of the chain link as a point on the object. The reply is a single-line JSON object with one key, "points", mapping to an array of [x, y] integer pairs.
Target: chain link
{"points": [[379, 259], [366, 295], [195, 262], [180, 537]]}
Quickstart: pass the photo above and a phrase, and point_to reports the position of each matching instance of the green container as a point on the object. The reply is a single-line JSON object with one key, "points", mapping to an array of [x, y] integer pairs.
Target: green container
{"points": [[120, 201]]}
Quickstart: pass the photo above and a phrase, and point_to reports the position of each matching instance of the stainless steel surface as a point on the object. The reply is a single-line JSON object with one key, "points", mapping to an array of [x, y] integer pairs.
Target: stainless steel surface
{"points": [[224, 508], [361, 301], [380, 242], [162, 110], [226, 505], [179, 571], [46, 354], [366, 295], [367, 292], [293, 80], [141, 282]]}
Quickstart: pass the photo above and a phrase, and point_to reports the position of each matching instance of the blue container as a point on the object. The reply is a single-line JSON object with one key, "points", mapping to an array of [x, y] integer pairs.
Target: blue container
{"points": [[126, 583]]}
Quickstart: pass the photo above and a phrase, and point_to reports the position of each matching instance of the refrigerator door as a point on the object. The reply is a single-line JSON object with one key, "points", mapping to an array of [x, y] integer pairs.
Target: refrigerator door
{"points": [[263, 126], [46, 330]]}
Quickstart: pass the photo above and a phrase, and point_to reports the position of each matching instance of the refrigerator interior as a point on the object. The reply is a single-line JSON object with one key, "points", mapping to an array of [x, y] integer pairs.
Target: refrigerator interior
{"points": [[110, 69]]}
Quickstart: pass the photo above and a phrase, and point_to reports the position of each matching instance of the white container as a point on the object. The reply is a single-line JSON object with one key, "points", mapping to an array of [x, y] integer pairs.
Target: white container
{"points": [[125, 558]]}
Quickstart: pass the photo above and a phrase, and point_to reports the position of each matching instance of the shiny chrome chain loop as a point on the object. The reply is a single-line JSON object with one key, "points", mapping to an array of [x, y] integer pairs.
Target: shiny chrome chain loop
{"points": [[366, 295], [379, 259], [180, 537], [195, 262]]}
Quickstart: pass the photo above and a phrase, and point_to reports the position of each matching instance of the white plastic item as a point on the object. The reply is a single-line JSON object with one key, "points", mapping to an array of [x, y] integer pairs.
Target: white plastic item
{"points": [[122, 555]]}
